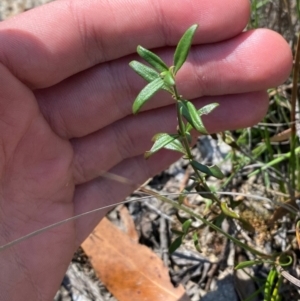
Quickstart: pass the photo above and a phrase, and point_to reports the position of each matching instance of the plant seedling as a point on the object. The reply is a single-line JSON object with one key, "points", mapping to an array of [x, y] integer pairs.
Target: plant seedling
{"points": [[161, 77]]}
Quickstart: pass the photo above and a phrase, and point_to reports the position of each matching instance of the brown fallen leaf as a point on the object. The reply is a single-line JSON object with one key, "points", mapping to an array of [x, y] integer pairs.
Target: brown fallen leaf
{"points": [[130, 271], [298, 233], [128, 223], [282, 136]]}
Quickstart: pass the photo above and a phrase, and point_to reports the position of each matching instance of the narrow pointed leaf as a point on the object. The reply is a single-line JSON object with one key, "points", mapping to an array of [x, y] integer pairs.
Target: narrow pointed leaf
{"points": [[183, 47], [196, 242], [228, 211], [186, 226], [211, 171], [190, 113], [246, 264], [185, 112], [175, 244], [147, 73], [144, 71], [177, 232], [207, 109], [189, 127], [146, 94], [203, 111], [151, 58], [175, 145], [210, 196], [269, 284], [161, 140], [196, 119]]}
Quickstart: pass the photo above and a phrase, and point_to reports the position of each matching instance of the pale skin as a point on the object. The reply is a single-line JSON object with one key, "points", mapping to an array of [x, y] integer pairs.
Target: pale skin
{"points": [[65, 113]]}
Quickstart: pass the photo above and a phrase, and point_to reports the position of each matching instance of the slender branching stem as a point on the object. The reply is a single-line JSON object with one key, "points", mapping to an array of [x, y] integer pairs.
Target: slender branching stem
{"points": [[185, 142]]}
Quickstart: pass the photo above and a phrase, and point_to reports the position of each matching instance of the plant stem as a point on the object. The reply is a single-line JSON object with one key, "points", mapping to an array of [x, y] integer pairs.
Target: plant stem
{"points": [[206, 222], [293, 140], [190, 157]]}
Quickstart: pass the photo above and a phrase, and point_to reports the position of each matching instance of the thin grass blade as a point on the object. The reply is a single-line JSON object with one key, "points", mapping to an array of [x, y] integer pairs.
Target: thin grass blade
{"points": [[246, 264]]}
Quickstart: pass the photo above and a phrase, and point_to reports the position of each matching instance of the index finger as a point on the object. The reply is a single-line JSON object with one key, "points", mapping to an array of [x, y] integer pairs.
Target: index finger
{"points": [[52, 42]]}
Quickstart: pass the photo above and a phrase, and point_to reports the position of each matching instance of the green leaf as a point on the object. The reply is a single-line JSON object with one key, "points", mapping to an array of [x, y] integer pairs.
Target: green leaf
{"points": [[269, 284], [161, 141], [147, 73], [211, 171], [207, 109], [285, 260], [169, 79], [144, 71], [154, 60], [228, 211], [208, 202], [183, 47], [218, 221], [175, 244], [196, 242], [190, 113], [200, 188], [188, 137], [146, 93], [176, 145], [246, 264], [204, 111], [181, 198], [186, 226], [175, 231]]}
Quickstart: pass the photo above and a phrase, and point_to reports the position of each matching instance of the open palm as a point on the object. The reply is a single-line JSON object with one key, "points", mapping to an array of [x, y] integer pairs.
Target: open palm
{"points": [[65, 113]]}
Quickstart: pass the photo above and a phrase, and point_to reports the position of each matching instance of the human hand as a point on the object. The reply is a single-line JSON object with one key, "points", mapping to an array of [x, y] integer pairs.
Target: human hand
{"points": [[65, 100]]}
